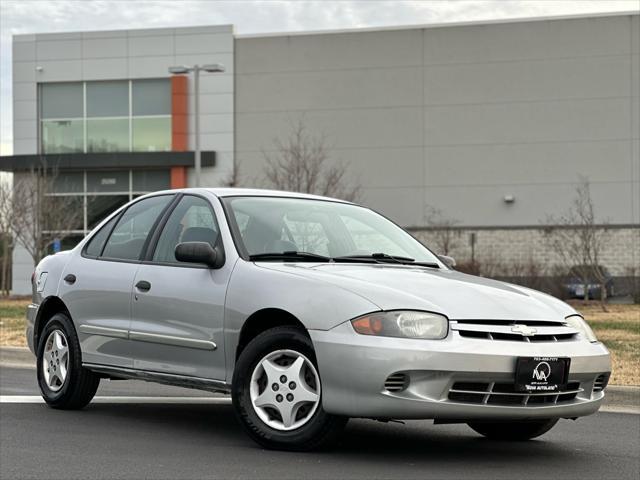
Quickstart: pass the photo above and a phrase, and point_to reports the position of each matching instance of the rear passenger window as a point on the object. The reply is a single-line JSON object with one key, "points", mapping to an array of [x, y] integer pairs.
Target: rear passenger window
{"points": [[130, 234], [94, 247]]}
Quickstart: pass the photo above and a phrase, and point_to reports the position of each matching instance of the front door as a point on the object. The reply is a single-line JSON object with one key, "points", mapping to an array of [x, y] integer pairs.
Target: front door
{"points": [[178, 308]]}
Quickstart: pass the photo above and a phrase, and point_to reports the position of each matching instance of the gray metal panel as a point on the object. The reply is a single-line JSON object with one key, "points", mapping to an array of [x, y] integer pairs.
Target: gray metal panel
{"points": [[480, 205], [104, 47], [155, 45], [23, 51], [203, 43], [24, 71], [527, 164], [528, 122], [104, 68], [527, 80], [338, 89], [58, 49], [59, 71], [361, 128], [329, 51], [584, 37]]}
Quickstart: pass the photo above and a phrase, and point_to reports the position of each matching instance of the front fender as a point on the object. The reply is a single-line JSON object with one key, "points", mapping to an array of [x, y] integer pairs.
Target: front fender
{"points": [[317, 304]]}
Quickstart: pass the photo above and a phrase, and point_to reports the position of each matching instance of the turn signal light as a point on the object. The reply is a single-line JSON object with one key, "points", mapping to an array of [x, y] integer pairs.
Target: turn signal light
{"points": [[368, 325]]}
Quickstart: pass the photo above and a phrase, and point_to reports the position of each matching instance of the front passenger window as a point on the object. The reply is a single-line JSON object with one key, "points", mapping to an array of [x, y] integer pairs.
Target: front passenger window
{"points": [[191, 221], [128, 238]]}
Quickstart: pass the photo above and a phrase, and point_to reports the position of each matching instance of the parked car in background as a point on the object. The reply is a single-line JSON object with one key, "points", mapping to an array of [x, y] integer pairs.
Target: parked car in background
{"points": [[585, 278], [309, 311]]}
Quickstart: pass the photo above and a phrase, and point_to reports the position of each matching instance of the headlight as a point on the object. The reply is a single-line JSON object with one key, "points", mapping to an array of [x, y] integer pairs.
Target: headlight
{"points": [[403, 323], [577, 322]]}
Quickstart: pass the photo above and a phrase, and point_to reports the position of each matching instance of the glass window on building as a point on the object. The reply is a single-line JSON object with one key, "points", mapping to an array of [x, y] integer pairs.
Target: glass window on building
{"points": [[63, 136], [151, 97], [61, 112], [151, 134], [119, 116], [151, 128]]}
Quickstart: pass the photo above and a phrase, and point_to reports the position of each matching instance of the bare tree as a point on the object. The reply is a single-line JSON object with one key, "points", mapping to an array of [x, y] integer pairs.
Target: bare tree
{"points": [[301, 163], [6, 237], [39, 217], [445, 236], [578, 240]]}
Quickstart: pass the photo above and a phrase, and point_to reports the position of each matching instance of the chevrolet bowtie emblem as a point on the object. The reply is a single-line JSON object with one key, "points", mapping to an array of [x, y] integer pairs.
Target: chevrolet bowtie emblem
{"points": [[523, 330]]}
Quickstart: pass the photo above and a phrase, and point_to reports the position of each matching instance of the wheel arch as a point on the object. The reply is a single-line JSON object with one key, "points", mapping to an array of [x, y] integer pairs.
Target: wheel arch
{"points": [[48, 308], [261, 321]]}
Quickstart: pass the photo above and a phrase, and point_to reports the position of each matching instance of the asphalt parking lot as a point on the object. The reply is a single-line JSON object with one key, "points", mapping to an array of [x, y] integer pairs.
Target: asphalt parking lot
{"points": [[160, 436]]}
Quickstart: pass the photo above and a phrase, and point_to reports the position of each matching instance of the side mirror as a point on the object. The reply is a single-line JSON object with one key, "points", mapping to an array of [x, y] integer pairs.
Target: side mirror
{"points": [[447, 260], [199, 252]]}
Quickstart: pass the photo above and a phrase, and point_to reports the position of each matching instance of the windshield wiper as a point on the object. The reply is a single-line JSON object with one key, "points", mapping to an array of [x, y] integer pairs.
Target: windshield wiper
{"points": [[385, 258], [290, 255]]}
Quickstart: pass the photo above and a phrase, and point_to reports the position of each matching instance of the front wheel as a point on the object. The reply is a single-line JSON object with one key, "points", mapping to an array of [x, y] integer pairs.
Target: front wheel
{"points": [[63, 382], [524, 430], [277, 393]]}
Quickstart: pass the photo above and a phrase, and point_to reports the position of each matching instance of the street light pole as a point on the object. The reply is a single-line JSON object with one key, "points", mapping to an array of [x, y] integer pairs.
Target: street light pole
{"points": [[180, 70]]}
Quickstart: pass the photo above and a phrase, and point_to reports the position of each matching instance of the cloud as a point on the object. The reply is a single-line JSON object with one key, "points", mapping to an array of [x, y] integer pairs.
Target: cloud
{"points": [[253, 16]]}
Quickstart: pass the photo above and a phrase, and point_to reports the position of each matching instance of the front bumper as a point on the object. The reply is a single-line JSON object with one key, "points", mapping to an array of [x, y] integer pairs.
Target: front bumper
{"points": [[354, 369]]}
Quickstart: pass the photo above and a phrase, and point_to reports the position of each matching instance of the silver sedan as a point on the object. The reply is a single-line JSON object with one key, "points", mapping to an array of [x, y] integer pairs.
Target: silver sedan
{"points": [[308, 310]]}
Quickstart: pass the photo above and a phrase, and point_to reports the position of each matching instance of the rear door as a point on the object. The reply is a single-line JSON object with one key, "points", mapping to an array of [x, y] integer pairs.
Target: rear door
{"points": [[96, 285], [178, 308]]}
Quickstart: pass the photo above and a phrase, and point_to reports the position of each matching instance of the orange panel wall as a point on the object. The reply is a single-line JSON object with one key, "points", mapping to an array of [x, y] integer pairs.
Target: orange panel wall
{"points": [[179, 126]]}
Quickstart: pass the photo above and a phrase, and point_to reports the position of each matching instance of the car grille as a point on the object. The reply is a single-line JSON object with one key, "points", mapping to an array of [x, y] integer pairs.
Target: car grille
{"points": [[506, 394], [601, 382], [396, 382], [538, 331]]}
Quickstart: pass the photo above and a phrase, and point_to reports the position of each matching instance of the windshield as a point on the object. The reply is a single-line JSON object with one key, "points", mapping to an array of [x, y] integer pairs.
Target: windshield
{"points": [[329, 229]]}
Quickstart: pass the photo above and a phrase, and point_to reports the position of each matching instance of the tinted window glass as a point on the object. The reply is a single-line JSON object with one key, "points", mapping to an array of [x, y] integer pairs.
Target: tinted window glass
{"points": [[61, 100], [101, 206], [151, 97], [108, 99], [151, 180], [191, 221], [152, 134], [108, 135], [62, 136], [94, 247], [127, 239]]}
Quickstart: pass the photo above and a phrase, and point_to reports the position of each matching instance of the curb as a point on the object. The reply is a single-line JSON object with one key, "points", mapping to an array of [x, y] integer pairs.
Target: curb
{"points": [[618, 399], [17, 356]]}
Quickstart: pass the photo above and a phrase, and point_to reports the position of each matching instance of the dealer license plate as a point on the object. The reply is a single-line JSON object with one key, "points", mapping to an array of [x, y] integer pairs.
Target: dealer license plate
{"points": [[541, 374]]}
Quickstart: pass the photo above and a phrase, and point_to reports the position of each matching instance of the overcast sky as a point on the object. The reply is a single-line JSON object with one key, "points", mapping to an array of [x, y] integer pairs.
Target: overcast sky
{"points": [[254, 16]]}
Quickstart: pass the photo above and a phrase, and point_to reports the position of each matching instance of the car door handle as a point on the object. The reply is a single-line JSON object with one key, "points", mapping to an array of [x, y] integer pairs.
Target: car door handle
{"points": [[143, 286], [70, 279]]}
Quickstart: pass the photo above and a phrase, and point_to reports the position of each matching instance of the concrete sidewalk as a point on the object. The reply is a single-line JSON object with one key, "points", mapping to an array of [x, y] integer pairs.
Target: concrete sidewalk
{"points": [[622, 399]]}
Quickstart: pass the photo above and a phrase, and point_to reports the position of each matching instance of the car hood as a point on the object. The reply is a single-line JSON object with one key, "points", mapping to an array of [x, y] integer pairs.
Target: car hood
{"points": [[454, 294]]}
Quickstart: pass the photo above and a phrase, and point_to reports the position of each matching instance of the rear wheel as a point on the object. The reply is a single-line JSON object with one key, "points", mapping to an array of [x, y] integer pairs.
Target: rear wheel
{"points": [[524, 430], [277, 393], [63, 382]]}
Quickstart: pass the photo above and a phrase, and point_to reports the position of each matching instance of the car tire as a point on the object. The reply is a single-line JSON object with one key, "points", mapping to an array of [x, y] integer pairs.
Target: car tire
{"points": [[63, 382], [261, 371], [518, 431]]}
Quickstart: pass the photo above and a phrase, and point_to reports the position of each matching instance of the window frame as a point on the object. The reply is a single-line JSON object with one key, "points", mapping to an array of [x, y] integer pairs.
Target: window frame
{"points": [[153, 243], [119, 214]]}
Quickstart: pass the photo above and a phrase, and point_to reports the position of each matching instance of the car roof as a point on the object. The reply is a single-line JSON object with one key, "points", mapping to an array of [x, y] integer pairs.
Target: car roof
{"points": [[252, 192]]}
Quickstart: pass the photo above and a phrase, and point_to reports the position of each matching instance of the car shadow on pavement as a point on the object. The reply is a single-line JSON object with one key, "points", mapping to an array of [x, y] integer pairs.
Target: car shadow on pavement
{"points": [[415, 441]]}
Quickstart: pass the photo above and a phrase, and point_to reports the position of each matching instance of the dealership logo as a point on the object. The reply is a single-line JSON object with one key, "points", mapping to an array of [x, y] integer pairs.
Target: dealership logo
{"points": [[524, 330], [542, 371]]}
